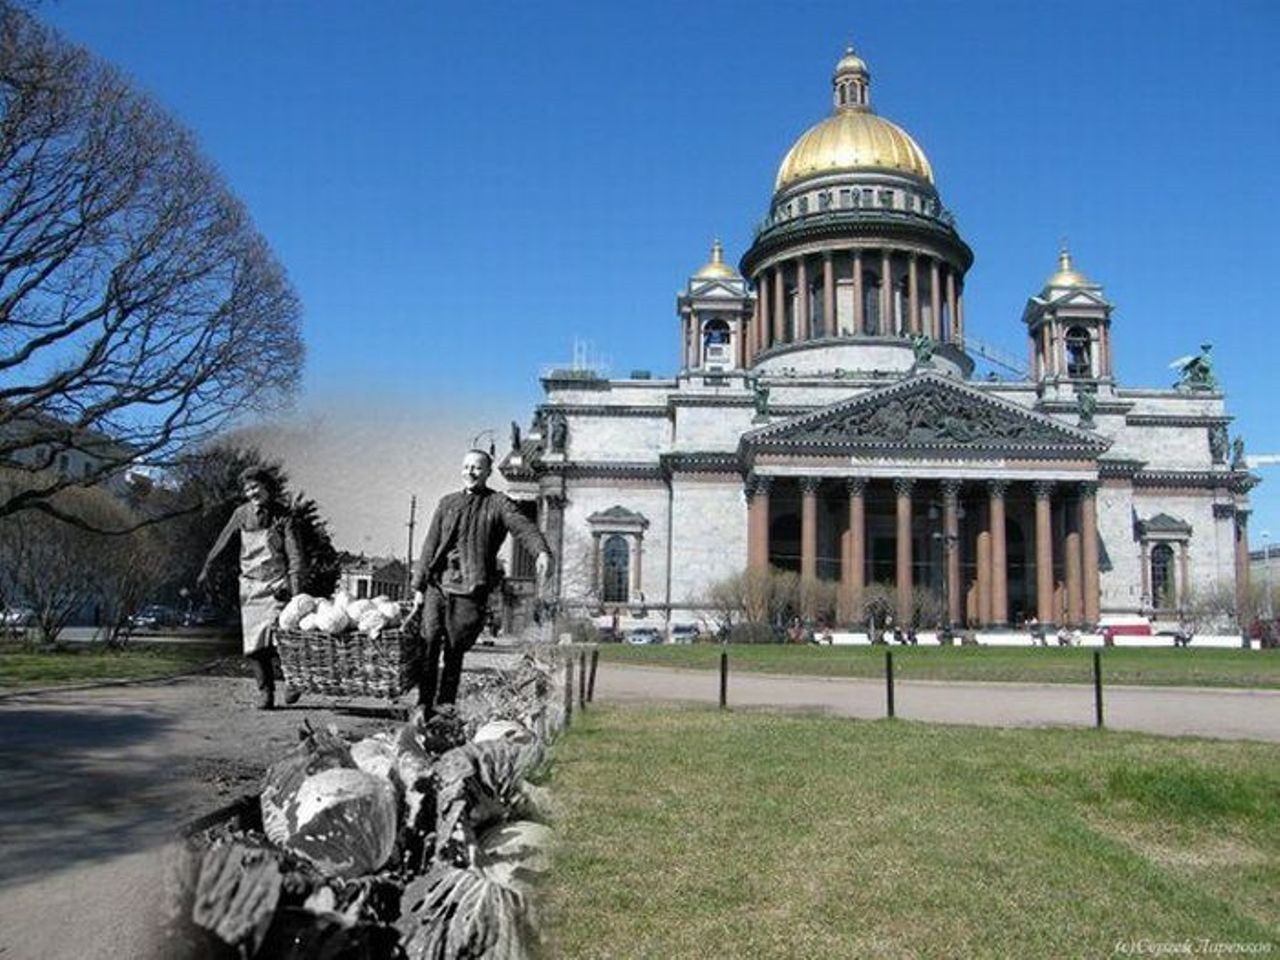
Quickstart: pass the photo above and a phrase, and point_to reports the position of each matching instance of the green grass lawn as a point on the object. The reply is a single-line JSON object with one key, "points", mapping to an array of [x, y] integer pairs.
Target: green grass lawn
{"points": [[86, 663], [1209, 667], [707, 834]]}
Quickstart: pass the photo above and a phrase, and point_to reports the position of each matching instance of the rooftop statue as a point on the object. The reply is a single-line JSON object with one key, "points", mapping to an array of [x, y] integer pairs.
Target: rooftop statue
{"points": [[922, 346], [1238, 461], [1196, 372], [761, 398], [1087, 406]]}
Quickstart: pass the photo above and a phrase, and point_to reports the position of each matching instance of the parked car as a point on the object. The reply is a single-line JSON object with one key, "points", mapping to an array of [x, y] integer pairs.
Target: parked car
{"points": [[642, 636], [684, 632], [17, 616], [201, 617], [152, 616]]}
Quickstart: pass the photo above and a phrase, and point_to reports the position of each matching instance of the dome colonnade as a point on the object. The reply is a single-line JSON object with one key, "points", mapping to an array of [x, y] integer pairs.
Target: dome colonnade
{"points": [[857, 243]]}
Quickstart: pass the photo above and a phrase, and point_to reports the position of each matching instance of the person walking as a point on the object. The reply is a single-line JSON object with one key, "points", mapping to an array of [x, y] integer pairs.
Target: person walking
{"points": [[271, 571], [458, 569]]}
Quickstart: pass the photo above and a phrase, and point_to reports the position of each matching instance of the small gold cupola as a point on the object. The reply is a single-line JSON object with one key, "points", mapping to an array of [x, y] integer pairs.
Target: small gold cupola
{"points": [[716, 267], [1067, 275]]}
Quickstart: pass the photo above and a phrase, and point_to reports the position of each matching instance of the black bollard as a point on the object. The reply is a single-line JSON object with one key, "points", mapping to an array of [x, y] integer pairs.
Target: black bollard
{"points": [[591, 683], [888, 680], [724, 679], [1097, 687]]}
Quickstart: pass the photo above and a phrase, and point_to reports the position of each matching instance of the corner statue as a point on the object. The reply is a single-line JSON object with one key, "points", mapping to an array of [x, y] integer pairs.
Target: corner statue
{"points": [[459, 568]]}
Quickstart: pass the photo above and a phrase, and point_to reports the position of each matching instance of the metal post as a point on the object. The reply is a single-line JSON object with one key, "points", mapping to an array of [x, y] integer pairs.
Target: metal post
{"points": [[724, 679], [582, 680], [591, 683], [888, 680], [568, 690], [1097, 687]]}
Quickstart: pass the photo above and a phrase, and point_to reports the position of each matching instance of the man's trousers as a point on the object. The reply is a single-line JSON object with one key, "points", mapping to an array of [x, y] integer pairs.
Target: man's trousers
{"points": [[451, 622]]}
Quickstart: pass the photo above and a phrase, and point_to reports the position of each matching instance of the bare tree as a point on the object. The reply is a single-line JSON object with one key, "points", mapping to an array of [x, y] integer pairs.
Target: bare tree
{"points": [[139, 308], [61, 570]]}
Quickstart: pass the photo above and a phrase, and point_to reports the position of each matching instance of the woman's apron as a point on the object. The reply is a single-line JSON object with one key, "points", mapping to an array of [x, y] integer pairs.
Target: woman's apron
{"points": [[262, 573]]}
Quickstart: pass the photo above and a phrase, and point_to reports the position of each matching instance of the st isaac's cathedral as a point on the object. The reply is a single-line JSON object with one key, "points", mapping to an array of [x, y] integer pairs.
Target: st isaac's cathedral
{"points": [[824, 421]]}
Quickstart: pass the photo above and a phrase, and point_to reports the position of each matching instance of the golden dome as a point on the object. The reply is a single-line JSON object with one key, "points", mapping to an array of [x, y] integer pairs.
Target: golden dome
{"points": [[716, 267], [1067, 275], [853, 137]]}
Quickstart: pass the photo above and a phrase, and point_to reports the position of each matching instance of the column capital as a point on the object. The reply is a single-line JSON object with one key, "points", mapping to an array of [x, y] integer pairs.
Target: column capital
{"points": [[857, 486], [809, 485], [1088, 489], [998, 488], [951, 488], [1242, 518], [903, 486], [1042, 489], [758, 485]]}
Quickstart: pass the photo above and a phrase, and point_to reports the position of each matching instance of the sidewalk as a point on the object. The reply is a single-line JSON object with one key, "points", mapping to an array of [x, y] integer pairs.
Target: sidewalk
{"points": [[1225, 714]]}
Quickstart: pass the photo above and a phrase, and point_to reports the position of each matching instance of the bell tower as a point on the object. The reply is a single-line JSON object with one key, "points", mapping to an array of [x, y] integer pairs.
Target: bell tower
{"points": [[714, 311], [1069, 332]]}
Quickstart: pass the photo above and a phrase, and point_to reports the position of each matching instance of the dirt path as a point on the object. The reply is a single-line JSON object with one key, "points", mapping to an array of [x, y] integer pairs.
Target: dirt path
{"points": [[1177, 711], [95, 781]]}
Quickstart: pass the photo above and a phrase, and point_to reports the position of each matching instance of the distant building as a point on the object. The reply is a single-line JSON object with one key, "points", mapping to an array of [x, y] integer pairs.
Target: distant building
{"points": [[363, 577], [824, 420]]}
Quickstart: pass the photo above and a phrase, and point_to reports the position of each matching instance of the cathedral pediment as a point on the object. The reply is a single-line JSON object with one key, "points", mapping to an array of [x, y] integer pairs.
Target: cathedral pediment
{"points": [[928, 414], [717, 290]]}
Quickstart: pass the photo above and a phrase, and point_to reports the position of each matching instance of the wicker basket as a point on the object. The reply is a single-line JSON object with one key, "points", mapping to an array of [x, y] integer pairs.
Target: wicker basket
{"points": [[350, 664]]}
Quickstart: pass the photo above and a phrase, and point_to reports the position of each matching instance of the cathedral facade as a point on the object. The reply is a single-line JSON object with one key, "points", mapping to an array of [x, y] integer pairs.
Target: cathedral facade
{"points": [[825, 420]]}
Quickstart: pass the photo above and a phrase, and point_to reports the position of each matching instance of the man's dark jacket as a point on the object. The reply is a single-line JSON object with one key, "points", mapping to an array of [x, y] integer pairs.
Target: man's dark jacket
{"points": [[472, 526]]}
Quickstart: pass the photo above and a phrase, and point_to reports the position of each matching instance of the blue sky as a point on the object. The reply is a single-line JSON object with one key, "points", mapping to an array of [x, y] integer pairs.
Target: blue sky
{"points": [[459, 191]]}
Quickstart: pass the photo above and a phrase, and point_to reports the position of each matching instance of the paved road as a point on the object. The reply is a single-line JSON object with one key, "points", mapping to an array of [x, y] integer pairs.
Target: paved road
{"points": [[95, 781], [1179, 711]]}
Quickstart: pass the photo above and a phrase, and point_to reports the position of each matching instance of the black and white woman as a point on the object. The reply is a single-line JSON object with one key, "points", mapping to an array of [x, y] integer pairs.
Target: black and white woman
{"points": [[271, 571]]}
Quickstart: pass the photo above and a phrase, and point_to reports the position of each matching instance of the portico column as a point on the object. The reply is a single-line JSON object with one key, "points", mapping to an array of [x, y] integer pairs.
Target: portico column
{"points": [[808, 528], [886, 294], [758, 523], [802, 299], [951, 300], [1044, 552], [951, 546], [902, 573], [958, 337], [1089, 553], [913, 291], [1242, 568], [829, 296], [935, 301], [999, 554], [1075, 592], [859, 321], [855, 572], [982, 612], [779, 305]]}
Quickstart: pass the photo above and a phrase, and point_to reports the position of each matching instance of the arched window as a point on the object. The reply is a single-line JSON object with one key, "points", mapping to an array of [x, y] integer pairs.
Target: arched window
{"points": [[715, 333], [616, 564], [1163, 595], [1079, 363]]}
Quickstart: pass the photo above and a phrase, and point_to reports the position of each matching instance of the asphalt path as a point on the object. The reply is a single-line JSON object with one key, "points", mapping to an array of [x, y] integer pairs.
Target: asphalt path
{"points": [[97, 781], [1226, 714]]}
